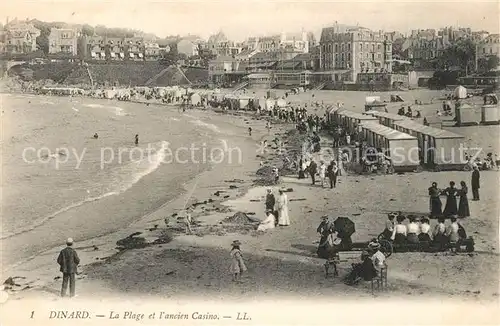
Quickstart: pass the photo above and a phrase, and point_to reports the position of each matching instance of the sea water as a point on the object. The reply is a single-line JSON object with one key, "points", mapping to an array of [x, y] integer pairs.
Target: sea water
{"points": [[58, 181]]}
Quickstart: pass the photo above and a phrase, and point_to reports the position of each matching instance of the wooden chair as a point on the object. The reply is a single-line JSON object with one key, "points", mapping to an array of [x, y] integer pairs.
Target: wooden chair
{"points": [[380, 281], [332, 261]]}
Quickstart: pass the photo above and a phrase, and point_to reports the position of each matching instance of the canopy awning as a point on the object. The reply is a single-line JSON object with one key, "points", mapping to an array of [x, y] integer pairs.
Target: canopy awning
{"points": [[122, 55], [112, 54], [103, 54], [93, 54], [131, 55], [140, 55]]}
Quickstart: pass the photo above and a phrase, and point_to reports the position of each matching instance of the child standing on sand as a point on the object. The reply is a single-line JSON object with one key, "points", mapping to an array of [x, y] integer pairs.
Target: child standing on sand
{"points": [[237, 264], [188, 220]]}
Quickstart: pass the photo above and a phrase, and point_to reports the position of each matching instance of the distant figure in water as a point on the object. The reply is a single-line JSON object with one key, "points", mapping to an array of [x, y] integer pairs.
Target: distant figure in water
{"points": [[96, 136], [137, 139], [249, 131]]}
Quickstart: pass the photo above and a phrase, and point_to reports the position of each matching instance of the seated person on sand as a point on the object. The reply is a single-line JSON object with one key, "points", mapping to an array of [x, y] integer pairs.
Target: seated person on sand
{"points": [[366, 269], [440, 238], [378, 258], [452, 232], [268, 222], [425, 228], [399, 233], [412, 231], [389, 226]]}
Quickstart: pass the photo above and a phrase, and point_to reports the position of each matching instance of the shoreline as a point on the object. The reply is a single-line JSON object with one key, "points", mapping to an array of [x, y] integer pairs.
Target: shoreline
{"points": [[202, 114], [106, 242]]}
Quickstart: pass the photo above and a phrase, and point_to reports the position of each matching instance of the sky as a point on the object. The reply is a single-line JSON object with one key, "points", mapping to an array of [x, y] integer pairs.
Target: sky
{"points": [[239, 19]]}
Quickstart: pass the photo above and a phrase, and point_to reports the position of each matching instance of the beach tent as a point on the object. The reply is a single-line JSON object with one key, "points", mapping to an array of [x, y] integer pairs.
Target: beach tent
{"points": [[437, 147], [466, 115], [460, 92], [371, 99], [195, 99], [490, 114]]}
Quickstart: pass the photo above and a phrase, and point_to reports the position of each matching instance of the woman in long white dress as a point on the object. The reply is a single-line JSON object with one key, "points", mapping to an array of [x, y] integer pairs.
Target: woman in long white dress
{"points": [[283, 219], [268, 223], [322, 173]]}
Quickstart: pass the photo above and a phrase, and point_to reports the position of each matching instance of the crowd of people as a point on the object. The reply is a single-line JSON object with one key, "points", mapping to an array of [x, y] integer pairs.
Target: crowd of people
{"points": [[418, 230], [452, 208]]}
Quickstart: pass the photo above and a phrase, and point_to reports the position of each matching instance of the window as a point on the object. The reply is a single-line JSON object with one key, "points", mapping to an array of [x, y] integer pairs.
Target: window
{"points": [[379, 47], [336, 48]]}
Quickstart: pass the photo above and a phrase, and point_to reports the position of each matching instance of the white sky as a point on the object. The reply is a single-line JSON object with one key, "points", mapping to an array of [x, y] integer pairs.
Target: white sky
{"points": [[240, 19]]}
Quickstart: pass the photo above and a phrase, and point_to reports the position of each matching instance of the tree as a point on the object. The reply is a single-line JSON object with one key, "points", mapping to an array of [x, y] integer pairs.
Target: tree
{"points": [[461, 55], [488, 64], [88, 30], [171, 57], [493, 62]]}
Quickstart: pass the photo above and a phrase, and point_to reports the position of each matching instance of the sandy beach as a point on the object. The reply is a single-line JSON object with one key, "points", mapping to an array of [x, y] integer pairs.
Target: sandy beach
{"points": [[282, 262]]}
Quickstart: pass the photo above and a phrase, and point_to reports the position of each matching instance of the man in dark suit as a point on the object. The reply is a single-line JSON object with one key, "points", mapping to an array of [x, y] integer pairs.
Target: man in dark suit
{"points": [[475, 183], [270, 202], [313, 169], [68, 260]]}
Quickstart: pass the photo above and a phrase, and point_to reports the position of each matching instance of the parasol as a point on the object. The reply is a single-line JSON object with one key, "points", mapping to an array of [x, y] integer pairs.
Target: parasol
{"points": [[344, 227]]}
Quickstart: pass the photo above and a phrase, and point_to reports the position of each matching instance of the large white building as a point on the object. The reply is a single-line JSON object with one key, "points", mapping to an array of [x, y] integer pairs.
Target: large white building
{"points": [[490, 46]]}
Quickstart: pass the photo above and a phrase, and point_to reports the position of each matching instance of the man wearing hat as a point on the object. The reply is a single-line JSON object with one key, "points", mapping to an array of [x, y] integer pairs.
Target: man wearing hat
{"points": [[378, 258], [68, 260], [270, 200]]}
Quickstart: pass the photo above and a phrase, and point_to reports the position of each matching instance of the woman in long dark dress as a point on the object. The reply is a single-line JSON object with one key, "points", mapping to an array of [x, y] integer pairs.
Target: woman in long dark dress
{"points": [[463, 204], [435, 205], [325, 229], [451, 200]]}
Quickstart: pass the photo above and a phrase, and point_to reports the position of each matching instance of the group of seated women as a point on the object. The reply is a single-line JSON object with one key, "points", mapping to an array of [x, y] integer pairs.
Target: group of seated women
{"points": [[417, 231]]}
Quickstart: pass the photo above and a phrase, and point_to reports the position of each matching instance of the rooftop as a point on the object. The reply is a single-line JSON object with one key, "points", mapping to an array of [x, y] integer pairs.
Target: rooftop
{"points": [[433, 132], [386, 132], [395, 117]]}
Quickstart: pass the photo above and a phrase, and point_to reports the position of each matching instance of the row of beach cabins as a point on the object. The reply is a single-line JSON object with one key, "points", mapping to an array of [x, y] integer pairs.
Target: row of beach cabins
{"points": [[177, 94], [410, 145]]}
